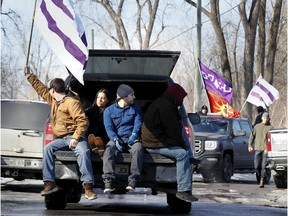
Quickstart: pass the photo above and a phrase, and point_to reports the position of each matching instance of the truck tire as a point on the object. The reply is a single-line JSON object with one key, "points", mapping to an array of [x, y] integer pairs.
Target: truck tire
{"points": [[207, 175], [280, 180], [56, 201], [224, 173], [72, 189], [178, 206], [74, 196]]}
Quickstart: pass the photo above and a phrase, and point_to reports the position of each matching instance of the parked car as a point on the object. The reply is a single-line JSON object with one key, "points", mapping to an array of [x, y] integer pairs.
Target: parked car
{"points": [[277, 155], [222, 146], [23, 125], [148, 73]]}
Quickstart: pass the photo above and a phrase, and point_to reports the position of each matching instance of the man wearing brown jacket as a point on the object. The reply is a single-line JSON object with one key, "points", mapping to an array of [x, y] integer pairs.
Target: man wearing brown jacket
{"points": [[69, 125]]}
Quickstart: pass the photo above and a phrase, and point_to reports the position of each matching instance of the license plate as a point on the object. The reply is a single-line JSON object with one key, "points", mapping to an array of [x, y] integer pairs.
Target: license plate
{"points": [[16, 162], [121, 169]]}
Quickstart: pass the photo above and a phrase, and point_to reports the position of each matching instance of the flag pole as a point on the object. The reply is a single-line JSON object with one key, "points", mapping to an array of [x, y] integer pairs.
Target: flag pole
{"points": [[243, 106], [30, 39]]}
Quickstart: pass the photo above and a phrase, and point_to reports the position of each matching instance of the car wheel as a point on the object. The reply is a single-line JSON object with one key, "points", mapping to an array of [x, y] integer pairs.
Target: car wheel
{"points": [[178, 206], [280, 180], [224, 173]]}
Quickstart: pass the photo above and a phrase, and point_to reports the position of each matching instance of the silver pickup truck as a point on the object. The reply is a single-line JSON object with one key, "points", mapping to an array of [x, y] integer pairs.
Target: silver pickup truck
{"points": [[277, 155]]}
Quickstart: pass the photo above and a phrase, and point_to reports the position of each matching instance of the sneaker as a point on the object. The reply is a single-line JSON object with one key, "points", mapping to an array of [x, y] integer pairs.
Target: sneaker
{"points": [[186, 196], [89, 192], [109, 187], [49, 187], [131, 186]]}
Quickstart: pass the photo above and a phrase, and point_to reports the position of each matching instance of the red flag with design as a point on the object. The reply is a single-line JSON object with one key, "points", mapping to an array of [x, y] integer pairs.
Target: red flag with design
{"points": [[220, 105]]}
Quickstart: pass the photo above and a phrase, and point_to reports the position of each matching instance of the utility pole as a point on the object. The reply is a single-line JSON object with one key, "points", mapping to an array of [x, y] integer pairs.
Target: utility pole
{"points": [[198, 78]]}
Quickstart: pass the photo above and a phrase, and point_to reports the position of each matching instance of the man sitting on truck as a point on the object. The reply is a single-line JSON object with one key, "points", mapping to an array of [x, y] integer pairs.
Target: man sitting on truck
{"points": [[69, 124], [122, 121], [162, 134], [258, 135]]}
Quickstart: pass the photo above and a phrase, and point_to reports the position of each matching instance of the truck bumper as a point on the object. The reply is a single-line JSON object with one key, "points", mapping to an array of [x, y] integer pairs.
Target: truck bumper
{"points": [[210, 160]]}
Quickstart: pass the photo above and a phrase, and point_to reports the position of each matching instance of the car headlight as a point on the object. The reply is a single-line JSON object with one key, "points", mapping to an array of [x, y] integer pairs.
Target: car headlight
{"points": [[210, 145]]}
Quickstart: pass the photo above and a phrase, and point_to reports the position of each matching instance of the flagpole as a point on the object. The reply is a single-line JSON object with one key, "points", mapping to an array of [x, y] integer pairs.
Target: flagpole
{"points": [[31, 32], [243, 106]]}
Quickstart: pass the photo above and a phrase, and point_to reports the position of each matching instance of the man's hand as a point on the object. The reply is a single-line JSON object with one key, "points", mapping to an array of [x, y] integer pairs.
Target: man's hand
{"points": [[27, 71], [73, 143], [132, 138], [250, 149]]}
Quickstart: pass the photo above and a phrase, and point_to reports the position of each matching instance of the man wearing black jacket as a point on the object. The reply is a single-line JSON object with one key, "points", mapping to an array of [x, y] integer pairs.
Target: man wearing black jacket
{"points": [[162, 134]]}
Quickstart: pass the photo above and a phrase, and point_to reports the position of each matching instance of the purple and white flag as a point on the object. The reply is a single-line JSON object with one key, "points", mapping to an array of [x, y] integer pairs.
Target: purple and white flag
{"points": [[215, 83], [262, 94], [64, 32]]}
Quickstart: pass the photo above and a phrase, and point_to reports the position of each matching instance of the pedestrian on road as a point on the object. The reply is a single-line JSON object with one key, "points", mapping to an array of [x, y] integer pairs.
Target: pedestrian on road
{"points": [[69, 124], [258, 135], [162, 134], [122, 121]]}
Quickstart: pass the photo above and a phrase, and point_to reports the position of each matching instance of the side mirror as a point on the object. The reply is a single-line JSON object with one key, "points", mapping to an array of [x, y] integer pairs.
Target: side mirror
{"points": [[194, 118]]}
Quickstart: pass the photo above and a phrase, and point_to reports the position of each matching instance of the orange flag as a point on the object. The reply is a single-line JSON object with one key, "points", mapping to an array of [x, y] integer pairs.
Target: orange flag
{"points": [[220, 105]]}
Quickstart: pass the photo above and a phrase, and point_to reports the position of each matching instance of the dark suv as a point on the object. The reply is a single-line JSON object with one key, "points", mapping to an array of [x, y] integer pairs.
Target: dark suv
{"points": [[222, 146], [148, 73]]}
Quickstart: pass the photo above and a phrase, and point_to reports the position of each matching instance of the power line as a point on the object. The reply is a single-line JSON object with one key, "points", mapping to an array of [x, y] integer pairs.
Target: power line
{"points": [[196, 25]]}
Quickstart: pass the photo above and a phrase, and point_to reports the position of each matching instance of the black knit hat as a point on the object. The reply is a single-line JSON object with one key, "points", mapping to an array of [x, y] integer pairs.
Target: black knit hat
{"points": [[123, 91]]}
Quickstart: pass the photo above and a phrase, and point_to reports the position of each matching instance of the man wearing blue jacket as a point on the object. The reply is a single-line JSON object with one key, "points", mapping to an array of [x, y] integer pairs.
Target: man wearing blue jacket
{"points": [[122, 121]]}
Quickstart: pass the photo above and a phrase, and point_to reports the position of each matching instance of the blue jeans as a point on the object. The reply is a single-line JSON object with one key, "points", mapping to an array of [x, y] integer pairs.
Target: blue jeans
{"points": [[183, 167], [137, 152], [82, 152], [260, 161]]}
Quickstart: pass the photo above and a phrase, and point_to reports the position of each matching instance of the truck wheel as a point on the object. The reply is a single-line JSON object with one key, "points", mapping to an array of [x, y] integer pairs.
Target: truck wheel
{"points": [[224, 173], [280, 180], [207, 175], [176, 205], [75, 194], [56, 201], [72, 189]]}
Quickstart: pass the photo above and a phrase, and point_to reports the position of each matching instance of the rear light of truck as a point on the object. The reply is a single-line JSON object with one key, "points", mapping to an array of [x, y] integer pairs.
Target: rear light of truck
{"points": [[48, 136], [188, 130], [268, 136]]}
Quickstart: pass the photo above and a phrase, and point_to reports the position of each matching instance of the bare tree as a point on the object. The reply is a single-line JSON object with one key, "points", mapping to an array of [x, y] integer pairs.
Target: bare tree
{"points": [[143, 29], [214, 16], [272, 41]]}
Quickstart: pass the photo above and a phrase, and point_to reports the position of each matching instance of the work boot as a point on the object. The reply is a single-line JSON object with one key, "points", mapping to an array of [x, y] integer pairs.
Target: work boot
{"points": [[89, 192], [261, 183], [49, 187], [96, 144]]}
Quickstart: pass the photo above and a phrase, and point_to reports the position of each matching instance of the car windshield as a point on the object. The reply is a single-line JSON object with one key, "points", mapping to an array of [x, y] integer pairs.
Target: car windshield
{"points": [[212, 125]]}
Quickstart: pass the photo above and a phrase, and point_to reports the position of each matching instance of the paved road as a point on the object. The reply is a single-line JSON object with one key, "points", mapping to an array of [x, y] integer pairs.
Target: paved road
{"points": [[241, 197]]}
